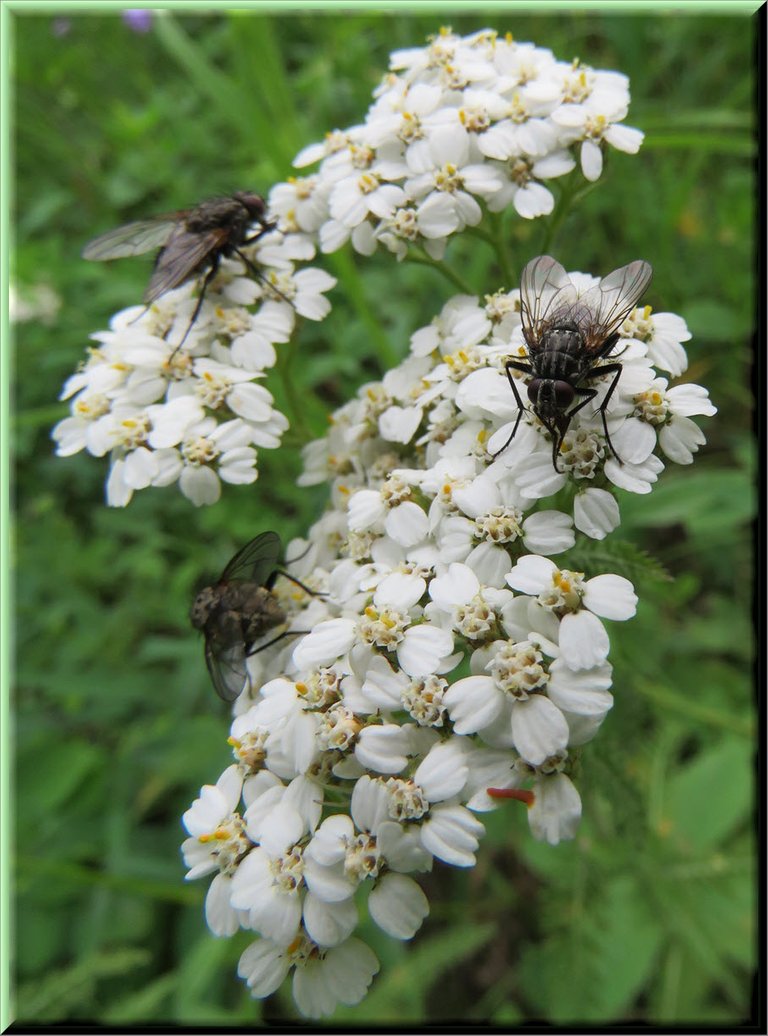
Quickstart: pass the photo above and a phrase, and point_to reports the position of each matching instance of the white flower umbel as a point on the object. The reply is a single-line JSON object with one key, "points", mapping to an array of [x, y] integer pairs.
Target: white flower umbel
{"points": [[459, 125], [173, 401], [456, 656]]}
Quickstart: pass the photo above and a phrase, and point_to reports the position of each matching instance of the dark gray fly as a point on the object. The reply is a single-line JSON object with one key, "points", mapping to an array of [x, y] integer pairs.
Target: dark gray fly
{"points": [[567, 338]]}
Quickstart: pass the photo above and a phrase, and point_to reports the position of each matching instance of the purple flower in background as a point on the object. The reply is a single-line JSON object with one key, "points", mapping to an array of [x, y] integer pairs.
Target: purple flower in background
{"points": [[138, 19], [61, 26]]}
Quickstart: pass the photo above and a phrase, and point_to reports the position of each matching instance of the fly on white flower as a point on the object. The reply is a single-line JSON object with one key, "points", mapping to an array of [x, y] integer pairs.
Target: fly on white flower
{"points": [[567, 337]]}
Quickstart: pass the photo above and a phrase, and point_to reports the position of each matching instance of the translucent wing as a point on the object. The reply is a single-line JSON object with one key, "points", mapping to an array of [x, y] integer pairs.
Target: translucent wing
{"points": [[256, 561], [144, 235], [227, 669], [610, 302], [545, 290], [181, 256]]}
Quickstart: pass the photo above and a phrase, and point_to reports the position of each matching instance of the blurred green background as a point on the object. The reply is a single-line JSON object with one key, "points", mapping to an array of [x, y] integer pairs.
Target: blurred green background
{"points": [[648, 916]]}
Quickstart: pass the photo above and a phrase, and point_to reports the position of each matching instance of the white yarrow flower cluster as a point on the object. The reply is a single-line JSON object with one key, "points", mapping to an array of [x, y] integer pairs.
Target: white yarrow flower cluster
{"points": [[175, 401], [459, 124], [453, 657]]}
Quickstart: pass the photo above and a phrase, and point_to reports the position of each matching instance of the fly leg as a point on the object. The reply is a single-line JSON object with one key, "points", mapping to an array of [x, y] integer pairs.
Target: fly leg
{"points": [[256, 272], [525, 367], [596, 372], [280, 636], [279, 572], [198, 306]]}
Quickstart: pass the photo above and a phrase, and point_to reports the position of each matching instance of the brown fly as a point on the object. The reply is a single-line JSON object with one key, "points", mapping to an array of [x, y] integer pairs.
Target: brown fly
{"points": [[238, 610], [192, 242]]}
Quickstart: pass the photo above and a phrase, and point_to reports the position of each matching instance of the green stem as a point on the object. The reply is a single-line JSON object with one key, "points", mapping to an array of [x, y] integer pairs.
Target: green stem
{"points": [[446, 271], [285, 363], [501, 244], [568, 195]]}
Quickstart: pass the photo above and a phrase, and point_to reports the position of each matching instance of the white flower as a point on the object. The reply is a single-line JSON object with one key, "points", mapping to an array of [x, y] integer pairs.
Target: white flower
{"points": [[582, 637], [322, 978], [218, 842]]}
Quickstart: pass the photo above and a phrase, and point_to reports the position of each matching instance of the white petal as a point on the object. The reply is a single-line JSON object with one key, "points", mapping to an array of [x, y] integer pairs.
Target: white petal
{"points": [[532, 574], [584, 692], [443, 772], [349, 970], [407, 524], [327, 846], [596, 513], [473, 703], [370, 804], [610, 596], [264, 967], [327, 642], [591, 160], [399, 424], [329, 884], [458, 586], [399, 591], [383, 749], [364, 509], [451, 834], [329, 923], [539, 728], [556, 809], [398, 906], [583, 640], [423, 649], [548, 532], [220, 916], [200, 485]]}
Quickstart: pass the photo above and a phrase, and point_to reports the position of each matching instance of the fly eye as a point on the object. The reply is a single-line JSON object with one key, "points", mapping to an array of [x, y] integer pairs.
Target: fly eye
{"points": [[564, 393], [533, 390]]}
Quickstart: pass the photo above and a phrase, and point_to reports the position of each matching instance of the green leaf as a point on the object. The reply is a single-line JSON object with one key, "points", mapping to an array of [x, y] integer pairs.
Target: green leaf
{"points": [[55, 996], [711, 320], [707, 502], [617, 556], [710, 797], [50, 773], [397, 995], [146, 1003], [627, 939]]}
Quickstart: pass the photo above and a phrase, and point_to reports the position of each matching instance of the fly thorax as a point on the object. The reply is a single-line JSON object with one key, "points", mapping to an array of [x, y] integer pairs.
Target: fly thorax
{"points": [[561, 352], [262, 612]]}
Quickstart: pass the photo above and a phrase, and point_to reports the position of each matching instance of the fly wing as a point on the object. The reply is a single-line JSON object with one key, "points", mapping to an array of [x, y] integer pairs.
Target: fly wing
{"points": [[182, 255], [144, 235], [227, 669], [611, 301], [256, 561], [545, 291]]}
